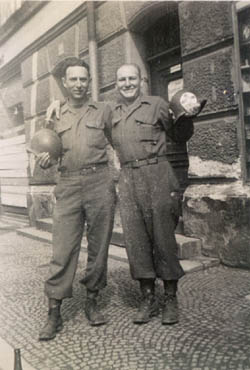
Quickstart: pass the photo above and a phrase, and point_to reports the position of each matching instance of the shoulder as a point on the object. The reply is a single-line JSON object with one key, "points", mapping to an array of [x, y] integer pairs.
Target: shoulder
{"points": [[154, 100], [101, 105]]}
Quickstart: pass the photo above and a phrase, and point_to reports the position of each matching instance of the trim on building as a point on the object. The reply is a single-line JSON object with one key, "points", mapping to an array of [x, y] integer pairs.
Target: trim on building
{"points": [[18, 18], [9, 69]]}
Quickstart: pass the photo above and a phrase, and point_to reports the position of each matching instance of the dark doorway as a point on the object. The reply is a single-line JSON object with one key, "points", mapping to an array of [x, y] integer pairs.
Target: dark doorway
{"points": [[163, 49]]}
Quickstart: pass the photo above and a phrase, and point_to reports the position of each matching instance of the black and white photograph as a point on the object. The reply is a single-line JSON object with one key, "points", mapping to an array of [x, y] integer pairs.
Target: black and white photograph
{"points": [[124, 185]]}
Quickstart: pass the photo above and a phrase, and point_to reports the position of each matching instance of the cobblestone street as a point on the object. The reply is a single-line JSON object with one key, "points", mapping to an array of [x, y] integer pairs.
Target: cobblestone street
{"points": [[213, 332]]}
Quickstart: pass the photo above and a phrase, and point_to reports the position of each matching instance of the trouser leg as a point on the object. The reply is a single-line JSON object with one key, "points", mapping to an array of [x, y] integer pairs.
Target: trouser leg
{"points": [[136, 226], [68, 223], [99, 207], [164, 208]]}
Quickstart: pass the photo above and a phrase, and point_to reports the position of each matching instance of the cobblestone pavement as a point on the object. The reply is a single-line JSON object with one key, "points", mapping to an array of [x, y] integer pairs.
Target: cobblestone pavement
{"points": [[213, 332]]}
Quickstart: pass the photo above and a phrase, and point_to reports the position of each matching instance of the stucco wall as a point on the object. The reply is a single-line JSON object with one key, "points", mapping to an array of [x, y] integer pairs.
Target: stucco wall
{"points": [[217, 212], [204, 23]]}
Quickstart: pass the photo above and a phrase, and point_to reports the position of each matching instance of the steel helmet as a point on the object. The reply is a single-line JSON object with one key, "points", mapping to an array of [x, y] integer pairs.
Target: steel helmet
{"points": [[186, 102], [47, 140]]}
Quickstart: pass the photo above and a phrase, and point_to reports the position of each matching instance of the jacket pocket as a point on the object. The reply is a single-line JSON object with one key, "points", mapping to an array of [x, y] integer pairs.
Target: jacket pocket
{"points": [[148, 133], [95, 133]]}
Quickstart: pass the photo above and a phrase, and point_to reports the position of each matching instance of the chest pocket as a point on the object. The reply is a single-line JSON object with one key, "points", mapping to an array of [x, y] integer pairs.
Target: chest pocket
{"points": [[63, 129], [147, 129], [95, 133], [148, 132]]}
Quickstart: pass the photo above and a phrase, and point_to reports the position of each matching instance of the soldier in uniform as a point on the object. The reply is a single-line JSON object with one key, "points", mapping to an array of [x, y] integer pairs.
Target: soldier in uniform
{"points": [[149, 191], [84, 193]]}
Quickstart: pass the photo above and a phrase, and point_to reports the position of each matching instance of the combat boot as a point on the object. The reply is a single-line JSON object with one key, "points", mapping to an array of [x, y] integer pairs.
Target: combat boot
{"points": [[54, 322], [170, 307], [148, 306], [92, 310]]}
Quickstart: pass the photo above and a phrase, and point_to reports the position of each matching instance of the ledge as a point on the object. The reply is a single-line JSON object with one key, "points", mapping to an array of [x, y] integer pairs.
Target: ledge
{"points": [[19, 17]]}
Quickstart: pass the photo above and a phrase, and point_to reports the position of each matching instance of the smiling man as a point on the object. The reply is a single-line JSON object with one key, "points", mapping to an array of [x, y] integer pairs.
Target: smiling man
{"points": [[84, 193], [149, 191], [129, 84]]}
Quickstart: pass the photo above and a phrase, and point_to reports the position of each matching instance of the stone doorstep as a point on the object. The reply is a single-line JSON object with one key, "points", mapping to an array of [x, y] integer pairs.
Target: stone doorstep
{"points": [[197, 263], [44, 224], [14, 220], [187, 247]]}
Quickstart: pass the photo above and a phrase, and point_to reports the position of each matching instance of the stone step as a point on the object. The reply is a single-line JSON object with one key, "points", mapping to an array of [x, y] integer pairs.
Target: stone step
{"points": [[189, 265], [14, 220], [187, 247], [46, 237], [44, 224]]}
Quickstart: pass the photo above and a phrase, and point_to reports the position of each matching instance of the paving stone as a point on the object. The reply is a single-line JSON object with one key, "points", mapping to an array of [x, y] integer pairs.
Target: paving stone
{"points": [[213, 332]]}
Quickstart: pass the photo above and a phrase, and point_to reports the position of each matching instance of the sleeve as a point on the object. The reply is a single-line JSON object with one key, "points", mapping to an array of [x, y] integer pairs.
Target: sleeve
{"points": [[180, 131], [164, 115]]}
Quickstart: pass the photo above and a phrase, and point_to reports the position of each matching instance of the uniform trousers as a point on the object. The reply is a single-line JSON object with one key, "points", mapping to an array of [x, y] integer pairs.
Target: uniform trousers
{"points": [[83, 198], [149, 212]]}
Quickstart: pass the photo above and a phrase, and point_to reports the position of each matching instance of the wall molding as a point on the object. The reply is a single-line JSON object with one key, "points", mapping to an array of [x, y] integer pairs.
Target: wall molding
{"points": [[18, 18], [8, 70]]}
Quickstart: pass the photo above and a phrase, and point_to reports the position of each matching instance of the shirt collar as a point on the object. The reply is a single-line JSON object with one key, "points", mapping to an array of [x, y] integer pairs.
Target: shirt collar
{"points": [[67, 108], [142, 99]]}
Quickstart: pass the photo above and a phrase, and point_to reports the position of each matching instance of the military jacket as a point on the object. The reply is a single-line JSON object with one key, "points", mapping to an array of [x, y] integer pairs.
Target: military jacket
{"points": [[139, 130], [84, 132]]}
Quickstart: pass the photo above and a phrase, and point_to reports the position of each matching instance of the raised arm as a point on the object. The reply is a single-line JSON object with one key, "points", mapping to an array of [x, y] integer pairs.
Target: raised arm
{"points": [[53, 110]]}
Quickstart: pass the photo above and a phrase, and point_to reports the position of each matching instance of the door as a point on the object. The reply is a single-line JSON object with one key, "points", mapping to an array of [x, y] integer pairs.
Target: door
{"points": [[164, 61]]}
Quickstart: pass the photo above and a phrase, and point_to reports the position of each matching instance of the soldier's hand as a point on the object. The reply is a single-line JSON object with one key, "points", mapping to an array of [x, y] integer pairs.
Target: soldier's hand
{"points": [[53, 110], [44, 160]]}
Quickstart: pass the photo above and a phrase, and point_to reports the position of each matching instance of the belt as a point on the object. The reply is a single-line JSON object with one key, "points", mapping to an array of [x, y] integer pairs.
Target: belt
{"points": [[85, 170], [144, 162]]}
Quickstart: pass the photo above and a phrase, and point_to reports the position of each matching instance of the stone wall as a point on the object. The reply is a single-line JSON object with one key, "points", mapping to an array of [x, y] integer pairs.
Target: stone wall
{"points": [[219, 215], [216, 207]]}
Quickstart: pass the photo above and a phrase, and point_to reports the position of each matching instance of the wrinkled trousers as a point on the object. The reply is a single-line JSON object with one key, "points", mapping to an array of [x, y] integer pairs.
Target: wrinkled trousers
{"points": [[86, 198], [150, 207]]}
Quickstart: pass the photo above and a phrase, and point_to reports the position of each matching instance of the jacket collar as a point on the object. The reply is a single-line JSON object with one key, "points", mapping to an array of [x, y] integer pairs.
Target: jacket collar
{"points": [[142, 99], [68, 108]]}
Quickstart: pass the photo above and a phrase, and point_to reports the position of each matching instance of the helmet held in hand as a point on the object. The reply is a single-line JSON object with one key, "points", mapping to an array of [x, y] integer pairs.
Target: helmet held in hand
{"points": [[47, 140], [186, 103]]}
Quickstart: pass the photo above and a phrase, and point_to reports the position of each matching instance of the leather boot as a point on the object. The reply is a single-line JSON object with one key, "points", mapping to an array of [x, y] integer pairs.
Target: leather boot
{"points": [[170, 308], [148, 306], [54, 322], [92, 311]]}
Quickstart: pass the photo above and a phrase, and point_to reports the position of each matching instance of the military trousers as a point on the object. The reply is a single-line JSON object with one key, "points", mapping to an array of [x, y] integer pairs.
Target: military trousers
{"points": [[149, 211], [90, 199]]}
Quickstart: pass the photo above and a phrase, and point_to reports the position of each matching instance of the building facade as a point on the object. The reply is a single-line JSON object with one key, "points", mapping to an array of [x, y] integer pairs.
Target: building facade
{"points": [[202, 46]]}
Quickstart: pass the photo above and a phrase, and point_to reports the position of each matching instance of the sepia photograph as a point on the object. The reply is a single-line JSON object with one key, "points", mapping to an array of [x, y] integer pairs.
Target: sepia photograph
{"points": [[124, 185]]}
